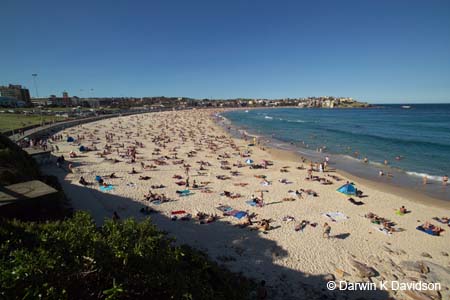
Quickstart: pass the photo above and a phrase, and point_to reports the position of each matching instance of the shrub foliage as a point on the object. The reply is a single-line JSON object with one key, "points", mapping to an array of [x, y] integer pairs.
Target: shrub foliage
{"points": [[74, 259]]}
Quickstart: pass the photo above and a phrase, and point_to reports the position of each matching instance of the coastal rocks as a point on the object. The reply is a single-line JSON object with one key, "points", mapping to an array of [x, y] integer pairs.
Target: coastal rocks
{"points": [[416, 295], [329, 277], [428, 272], [341, 273], [363, 270], [420, 267]]}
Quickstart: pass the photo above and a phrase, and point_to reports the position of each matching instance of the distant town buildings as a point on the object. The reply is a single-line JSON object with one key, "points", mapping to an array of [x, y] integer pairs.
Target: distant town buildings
{"points": [[14, 95], [182, 102]]}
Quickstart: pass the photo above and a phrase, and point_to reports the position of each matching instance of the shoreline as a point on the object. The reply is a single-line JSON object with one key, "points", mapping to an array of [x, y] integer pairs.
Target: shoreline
{"points": [[415, 192]]}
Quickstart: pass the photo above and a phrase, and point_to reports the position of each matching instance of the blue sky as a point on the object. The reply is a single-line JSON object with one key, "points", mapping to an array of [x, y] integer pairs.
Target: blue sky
{"points": [[377, 51]]}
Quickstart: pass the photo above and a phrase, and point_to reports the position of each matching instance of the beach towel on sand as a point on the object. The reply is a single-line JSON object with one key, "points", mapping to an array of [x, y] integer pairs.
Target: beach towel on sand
{"points": [[382, 230], [106, 188], [251, 203], [224, 208], [184, 193], [231, 212], [335, 216], [178, 212], [240, 214], [428, 231]]}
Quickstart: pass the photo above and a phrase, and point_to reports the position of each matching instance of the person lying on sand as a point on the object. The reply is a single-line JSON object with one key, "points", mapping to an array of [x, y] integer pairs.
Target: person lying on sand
{"points": [[284, 181], [147, 210], [144, 177], [206, 218], [301, 225], [443, 220], [309, 192], [158, 186], [82, 181], [289, 199], [264, 225]]}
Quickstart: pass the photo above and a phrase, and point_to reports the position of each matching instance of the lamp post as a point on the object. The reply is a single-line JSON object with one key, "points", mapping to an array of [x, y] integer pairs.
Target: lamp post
{"points": [[37, 96], [35, 84]]}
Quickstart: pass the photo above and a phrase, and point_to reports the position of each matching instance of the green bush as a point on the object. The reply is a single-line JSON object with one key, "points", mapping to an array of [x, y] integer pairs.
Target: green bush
{"points": [[73, 259], [15, 164]]}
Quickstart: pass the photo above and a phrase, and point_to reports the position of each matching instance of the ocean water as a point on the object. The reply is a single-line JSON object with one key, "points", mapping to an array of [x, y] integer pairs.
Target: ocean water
{"points": [[415, 142]]}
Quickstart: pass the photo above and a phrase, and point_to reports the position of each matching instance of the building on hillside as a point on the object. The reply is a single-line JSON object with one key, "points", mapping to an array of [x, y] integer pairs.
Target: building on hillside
{"points": [[11, 102], [17, 92], [40, 101]]}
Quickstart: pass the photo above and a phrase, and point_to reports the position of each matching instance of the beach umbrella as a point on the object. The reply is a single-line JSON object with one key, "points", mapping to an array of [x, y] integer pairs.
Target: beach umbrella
{"points": [[70, 139], [249, 161], [347, 189], [82, 148]]}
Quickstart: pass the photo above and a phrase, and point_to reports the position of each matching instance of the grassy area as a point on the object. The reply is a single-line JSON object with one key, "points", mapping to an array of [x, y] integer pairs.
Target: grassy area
{"points": [[63, 109], [15, 121]]}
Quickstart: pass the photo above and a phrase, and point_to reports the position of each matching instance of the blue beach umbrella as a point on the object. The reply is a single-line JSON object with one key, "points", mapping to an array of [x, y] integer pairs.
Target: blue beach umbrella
{"points": [[347, 189]]}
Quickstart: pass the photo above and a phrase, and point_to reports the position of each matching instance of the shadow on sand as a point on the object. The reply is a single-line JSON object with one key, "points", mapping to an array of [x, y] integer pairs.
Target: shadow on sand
{"points": [[240, 250]]}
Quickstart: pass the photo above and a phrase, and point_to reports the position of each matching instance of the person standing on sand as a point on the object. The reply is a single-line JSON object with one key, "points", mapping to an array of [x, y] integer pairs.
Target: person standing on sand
{"points": [[424, 180], [261, 292], [115, 216], [326, 231]]}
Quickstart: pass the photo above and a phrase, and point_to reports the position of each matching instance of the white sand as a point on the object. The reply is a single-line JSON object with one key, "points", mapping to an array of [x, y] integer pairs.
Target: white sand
{"points": [[282, 256]]}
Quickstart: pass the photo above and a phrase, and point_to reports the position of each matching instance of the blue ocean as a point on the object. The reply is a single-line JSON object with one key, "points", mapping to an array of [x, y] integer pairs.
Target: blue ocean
{"points": [[414, 141]]}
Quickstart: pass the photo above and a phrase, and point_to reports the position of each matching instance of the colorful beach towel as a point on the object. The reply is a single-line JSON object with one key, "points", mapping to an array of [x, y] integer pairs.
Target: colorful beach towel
{"points": [[231, 212], [106, 188], [382, 230], [428, 231], [186, 194], [240, 214], [178, 212], [251, 203], [224, 208]]}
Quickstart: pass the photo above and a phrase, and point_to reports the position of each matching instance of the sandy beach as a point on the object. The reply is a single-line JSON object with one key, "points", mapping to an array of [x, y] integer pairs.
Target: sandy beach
{"points": [[160, 146]]}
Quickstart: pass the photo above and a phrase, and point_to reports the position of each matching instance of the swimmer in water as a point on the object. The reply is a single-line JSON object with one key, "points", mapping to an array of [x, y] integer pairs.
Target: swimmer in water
{"points": [[445, 180], [366, 160], [386, 162]]}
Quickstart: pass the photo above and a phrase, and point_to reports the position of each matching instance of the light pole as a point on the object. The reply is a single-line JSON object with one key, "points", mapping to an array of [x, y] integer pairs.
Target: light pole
{"points": [[37, 95], [35, 84]]}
